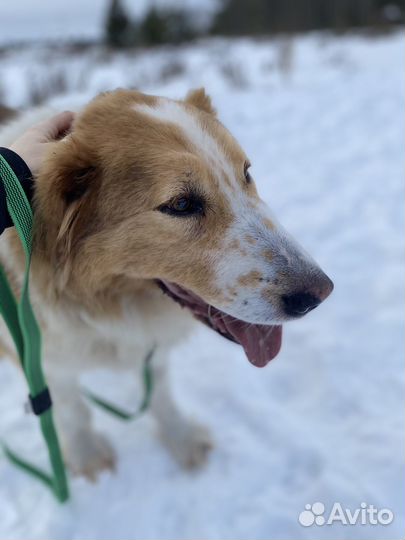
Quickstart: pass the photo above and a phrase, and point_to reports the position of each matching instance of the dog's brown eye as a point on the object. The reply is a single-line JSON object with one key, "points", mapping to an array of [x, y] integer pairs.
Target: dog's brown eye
{"points": [[248, 178], [183, 206]]}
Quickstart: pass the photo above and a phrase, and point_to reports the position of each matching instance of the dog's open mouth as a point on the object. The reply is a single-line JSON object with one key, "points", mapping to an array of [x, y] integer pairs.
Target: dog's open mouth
{"points": [[260, 342]]}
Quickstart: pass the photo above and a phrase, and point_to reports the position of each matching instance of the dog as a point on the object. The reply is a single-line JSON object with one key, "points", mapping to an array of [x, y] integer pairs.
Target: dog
{"points": [[146, 220]]}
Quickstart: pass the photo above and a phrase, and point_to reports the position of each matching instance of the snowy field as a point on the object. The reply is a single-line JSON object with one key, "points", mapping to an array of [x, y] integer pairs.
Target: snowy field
{"points": [[322, 122]]}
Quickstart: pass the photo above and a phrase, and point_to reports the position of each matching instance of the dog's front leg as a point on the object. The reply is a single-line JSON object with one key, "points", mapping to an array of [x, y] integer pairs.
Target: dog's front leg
{"points": [[86, 452], [187, 440]]}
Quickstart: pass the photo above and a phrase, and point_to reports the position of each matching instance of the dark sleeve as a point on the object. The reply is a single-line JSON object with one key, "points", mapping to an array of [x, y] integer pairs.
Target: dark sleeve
{"points": [[23, 174]]}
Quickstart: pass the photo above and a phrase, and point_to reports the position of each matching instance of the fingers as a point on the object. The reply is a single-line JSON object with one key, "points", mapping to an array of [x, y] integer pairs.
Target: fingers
{"points": [[56, 126], [62, 122]]}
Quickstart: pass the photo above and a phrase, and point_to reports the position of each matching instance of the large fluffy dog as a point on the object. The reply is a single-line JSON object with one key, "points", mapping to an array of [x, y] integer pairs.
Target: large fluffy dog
{"points": [[148, 196]]}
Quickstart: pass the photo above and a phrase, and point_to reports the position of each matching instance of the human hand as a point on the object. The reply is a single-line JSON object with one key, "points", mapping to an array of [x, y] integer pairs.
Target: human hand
{"points": [[32, 144]]}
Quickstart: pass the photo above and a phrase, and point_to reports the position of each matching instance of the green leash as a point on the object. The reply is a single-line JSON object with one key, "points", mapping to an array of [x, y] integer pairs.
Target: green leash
{"points": [[26, 334], [148, 389], [24, 329]]}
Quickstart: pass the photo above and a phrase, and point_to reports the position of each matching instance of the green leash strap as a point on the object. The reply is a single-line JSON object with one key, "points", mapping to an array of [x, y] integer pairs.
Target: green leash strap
{"points": [[8, 305], [23, 326], [148, 389]]}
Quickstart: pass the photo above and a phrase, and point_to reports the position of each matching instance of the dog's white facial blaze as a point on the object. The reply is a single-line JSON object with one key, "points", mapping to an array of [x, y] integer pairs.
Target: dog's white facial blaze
{"points": [[207, 147], [258, 260]]}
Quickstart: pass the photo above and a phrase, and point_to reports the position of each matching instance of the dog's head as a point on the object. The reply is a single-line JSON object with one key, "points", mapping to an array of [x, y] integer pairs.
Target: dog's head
{"points": [[151, 188]]}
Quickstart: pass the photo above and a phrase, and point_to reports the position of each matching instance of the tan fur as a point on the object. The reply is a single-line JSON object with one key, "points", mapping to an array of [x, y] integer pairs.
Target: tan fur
{"points": [[198, 98], [268, 254], [250, 279], [269, 223], [250, 239]]}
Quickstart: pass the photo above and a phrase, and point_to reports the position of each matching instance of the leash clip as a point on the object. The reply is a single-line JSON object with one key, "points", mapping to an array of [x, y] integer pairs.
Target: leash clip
{"points": [[41, 402]]}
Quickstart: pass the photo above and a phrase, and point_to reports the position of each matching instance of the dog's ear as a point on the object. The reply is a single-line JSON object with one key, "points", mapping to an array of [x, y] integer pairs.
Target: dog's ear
{"points": [[65, 199], [75, 194], [201, 100]]}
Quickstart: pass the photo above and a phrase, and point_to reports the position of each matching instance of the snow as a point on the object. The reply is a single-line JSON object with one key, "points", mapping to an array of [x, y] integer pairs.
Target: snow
{"points": [[325, 420]]}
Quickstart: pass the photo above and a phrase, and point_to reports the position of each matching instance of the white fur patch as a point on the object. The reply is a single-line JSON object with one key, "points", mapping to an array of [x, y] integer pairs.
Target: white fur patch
{"points": [[206, 145]]}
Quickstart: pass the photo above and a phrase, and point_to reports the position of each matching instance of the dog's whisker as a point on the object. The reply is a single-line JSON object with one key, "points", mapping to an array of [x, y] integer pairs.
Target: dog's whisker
{"points": [[231, 319]]}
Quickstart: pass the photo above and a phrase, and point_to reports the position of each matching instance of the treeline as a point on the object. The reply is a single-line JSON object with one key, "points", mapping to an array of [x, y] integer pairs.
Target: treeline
{"points": [[249, 17], [241, 17], [157, 27]]}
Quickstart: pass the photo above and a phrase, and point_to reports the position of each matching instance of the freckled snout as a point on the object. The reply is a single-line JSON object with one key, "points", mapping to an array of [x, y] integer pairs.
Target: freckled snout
{"points": [[308, 297]]}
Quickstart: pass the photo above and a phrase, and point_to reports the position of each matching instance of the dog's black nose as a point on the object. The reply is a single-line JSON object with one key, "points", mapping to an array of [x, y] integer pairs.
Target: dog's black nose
{"points": [[299, 303]]}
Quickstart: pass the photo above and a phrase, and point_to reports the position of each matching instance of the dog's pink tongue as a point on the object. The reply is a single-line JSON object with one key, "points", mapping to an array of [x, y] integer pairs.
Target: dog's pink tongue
{"points": [[261, 343]]}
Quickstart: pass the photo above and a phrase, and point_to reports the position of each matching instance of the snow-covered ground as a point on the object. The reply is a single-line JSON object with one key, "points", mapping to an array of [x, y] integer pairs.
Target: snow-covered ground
{"points": [[325, 421]]}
